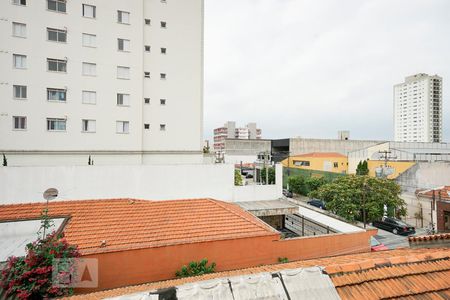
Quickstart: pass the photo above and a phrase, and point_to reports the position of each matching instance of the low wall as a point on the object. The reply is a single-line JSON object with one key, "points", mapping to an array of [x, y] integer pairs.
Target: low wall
{"points": [[153, 182], [132, 267]]}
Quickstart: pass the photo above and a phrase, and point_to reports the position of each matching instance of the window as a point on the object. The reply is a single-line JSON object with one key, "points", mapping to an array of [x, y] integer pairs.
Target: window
{"points": [[335, 165], [163, 50], [147, 74], [89, 11], [56, 95], [147, 100], [19, 123], [162, 75], [89, 97], [146, 126], [20, 61], [123, 72], [56, 65], [147, 48], [89, 40], [19, 2], [56, 5], [163, 24], [19, 29], [301, 163], [122, 127], [162, 127], [147, 21], [123, 99], [89, 69], [56, 35], [88, 125], [123, 45], [20, 91], [162, 101], [123, 17], [56, 124]]}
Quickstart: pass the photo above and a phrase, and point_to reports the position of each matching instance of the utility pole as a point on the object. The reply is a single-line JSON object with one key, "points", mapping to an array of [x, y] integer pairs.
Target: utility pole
{"points": [[385, 155]]}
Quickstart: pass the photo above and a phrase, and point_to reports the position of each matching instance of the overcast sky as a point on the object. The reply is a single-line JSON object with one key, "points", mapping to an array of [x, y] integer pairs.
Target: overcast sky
{"points": [[310, 68]]}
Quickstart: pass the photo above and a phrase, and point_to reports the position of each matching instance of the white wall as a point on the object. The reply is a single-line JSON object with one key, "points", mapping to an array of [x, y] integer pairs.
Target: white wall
{"points": [[153, 182]]}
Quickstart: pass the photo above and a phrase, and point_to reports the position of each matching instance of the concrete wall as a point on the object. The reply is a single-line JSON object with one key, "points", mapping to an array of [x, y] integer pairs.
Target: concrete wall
{"points": [[425, 175], [155, 182], [302, 145], [146, 265]]}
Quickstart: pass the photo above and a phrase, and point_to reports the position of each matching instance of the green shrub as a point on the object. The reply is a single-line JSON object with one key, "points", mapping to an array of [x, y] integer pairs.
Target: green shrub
{"points": [[237, 177], [196, 268], [283, 260]]}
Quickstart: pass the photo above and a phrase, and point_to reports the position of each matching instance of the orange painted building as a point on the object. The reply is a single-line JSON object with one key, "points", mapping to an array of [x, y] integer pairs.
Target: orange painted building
{"points": [[139, 241]]}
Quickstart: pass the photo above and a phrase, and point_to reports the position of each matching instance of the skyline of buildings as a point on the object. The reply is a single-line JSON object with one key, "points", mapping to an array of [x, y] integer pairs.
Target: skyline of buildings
{"points": [[418, 109], [230, 131], [122, 81]]}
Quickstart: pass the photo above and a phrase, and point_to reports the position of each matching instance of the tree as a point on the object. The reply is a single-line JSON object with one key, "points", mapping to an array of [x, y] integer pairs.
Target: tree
{"points": [[237, 177], [271, 175], [362, 168], [5, 161], [349, 196], [303, 185]]}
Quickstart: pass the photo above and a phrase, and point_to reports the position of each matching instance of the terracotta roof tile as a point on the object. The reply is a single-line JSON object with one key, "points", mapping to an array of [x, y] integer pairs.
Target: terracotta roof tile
{"points": [[444, 193], [442, 236], [320, 154], [365, 281], [132, 224]]}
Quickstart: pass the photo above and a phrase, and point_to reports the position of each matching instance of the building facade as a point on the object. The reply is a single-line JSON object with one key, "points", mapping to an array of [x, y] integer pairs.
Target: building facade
{"points": [[230, 131], [418, 109], [121, 81]]}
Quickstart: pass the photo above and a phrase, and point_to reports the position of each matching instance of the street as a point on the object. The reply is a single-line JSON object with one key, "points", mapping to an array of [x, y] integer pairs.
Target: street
{"points": [[393, 241]]}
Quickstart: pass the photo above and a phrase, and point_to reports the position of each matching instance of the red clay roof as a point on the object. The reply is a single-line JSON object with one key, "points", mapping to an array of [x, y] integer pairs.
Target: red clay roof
{"points": [[320, 154], [432, 237], [398, 274], [132, 224], [444, 193]]}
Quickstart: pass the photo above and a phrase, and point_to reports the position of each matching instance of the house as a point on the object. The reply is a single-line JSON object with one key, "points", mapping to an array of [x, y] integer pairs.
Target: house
{"points": [[394, 274], [140, 241], [318, 161]]}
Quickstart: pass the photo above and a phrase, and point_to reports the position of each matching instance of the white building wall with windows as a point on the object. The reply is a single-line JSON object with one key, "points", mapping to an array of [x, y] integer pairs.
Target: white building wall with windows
{"points": [[97, 75], [418, 109]]}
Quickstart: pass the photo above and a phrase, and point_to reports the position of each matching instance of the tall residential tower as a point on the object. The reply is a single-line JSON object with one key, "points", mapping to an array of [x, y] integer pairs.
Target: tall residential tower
{"points": [[121, 81], [418, 109]]}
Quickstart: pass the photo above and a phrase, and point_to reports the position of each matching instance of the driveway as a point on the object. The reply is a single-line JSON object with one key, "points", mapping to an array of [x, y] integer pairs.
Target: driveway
{"points": [[393, 241]]}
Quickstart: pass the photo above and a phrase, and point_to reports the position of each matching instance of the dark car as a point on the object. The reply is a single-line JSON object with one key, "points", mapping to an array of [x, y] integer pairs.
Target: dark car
{"points": [[395, 226], [317, 203], [287, 193]]}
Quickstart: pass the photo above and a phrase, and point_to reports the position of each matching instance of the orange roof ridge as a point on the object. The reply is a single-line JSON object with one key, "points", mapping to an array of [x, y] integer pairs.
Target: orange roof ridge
{"points": [[438, 236], [320, 154]]}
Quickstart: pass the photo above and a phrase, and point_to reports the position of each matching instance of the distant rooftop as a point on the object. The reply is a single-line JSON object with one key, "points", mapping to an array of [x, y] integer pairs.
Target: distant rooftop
{"points": [[126, 224], [320, 154]]}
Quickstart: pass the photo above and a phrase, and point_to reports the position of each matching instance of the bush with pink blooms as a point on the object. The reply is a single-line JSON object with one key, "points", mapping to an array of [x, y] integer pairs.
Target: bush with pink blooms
{"points": [[30, 277]]}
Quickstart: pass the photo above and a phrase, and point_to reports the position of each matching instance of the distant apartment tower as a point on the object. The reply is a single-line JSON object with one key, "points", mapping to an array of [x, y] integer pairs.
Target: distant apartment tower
{"points": [[418, 109], [230, 131], [119, 80]]}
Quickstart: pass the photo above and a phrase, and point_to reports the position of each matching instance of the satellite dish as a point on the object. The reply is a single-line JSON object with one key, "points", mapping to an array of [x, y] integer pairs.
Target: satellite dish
{"points": [[50, 194]]}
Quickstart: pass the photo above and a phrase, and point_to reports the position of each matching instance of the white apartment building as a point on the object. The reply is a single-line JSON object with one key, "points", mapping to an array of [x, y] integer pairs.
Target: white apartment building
{"points": [[120, 81], [230, 131], [418, 109]]}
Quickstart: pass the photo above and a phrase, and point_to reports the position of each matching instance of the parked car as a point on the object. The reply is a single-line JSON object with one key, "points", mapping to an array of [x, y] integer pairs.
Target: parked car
{"points": [[287, 193], [375, 245], [317, 203], [395, 226]]}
